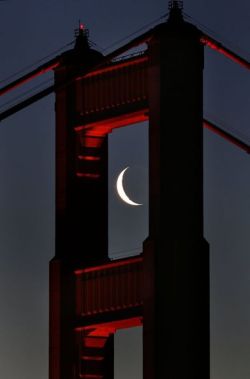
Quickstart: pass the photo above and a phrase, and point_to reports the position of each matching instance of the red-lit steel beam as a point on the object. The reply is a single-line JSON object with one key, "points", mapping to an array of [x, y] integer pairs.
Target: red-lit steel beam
{"points": [[47, 91], [99, 329], [113, 264], [102, 128], [50, 65], [213, 44], [206, 124], [116, 65], [227, 136]]}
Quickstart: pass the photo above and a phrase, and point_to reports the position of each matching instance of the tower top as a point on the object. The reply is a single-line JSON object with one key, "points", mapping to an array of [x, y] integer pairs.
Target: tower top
{"points": [[175, 11], [81, 37], [174, 4], [82, 53]]}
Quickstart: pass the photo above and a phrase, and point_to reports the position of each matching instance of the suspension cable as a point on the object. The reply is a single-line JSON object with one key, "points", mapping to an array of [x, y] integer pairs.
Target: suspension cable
{"points": [[35, 63]]}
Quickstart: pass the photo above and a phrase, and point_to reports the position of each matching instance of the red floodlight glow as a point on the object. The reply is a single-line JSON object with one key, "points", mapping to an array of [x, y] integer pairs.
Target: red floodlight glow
{"points": [[213, 44], [88, 158], [87, 175], [112, 264]]}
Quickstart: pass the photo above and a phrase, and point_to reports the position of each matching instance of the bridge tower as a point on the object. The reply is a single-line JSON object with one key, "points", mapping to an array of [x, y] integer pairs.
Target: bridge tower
{"points": [[166, 287]]}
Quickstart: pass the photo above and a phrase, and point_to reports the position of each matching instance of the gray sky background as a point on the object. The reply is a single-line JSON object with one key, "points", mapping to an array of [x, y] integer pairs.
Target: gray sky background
{"points": [[31, 30]]}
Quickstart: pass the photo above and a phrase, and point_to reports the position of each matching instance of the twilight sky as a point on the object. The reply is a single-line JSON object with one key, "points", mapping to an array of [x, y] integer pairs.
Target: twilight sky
{"points": [[33, 29]]}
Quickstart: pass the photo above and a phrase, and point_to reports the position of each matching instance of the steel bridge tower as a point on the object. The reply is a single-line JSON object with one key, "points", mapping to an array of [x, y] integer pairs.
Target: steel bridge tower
{"points": [[166, 287]]}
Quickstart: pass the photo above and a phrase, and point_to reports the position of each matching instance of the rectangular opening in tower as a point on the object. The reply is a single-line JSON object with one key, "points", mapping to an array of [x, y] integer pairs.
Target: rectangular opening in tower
{"points": [[128, 354], [128, 222]]}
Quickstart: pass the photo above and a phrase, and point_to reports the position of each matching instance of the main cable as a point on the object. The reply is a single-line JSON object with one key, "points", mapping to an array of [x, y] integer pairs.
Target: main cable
{"points": [[14, 101], [35, 63], [135, 32], [216, 35]]}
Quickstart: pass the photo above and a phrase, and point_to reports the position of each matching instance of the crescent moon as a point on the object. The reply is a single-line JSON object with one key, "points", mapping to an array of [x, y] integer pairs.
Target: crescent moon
{"points": [[120, 189]]}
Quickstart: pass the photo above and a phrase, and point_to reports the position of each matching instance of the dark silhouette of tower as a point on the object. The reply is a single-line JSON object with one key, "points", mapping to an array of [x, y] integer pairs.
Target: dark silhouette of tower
{"points": [[176, 260], [166, 287]]}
